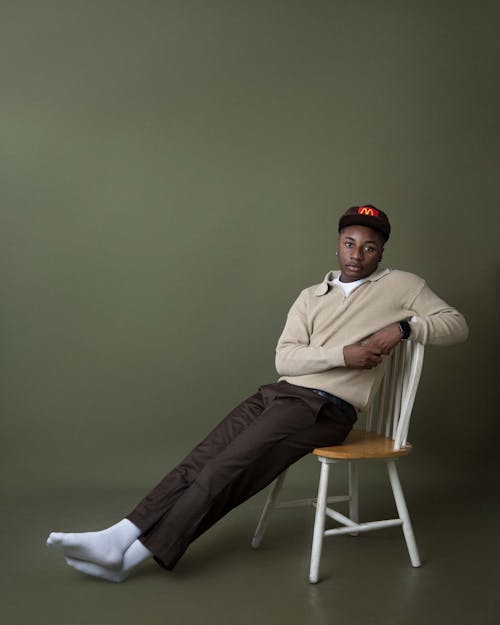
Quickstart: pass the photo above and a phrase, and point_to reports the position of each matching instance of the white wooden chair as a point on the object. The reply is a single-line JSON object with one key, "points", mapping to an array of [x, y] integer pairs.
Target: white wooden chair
{"points": [[383, 438]]}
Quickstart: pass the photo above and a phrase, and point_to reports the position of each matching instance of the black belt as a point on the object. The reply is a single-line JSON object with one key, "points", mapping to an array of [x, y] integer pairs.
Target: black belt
{"points": [[337, 401]]}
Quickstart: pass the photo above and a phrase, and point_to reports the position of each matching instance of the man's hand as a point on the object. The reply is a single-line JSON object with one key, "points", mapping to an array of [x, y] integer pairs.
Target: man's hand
{"points": [[368, 353], [361, 356], [385, 340]]}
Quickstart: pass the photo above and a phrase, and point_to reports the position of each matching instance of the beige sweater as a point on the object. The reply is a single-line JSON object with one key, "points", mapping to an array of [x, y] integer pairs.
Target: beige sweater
{"points": [[322, 321]]}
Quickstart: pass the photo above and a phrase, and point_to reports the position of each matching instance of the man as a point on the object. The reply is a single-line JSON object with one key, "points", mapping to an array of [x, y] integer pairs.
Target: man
{"points": [[329, 358]]}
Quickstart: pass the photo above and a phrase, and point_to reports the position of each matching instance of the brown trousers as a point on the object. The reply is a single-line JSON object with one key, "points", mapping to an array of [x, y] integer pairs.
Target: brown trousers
{"points": [[256, 442]]}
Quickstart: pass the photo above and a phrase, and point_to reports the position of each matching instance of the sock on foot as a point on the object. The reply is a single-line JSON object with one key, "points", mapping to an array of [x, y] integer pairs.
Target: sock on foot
{"points": [[105, 548], [134, 555]]}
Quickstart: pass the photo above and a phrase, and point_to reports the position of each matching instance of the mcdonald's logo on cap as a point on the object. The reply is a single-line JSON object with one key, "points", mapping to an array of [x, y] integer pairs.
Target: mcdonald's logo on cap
{"points": [[368, 210]]}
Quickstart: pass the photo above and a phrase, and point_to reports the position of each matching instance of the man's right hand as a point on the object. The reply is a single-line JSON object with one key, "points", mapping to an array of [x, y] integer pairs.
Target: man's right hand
{"points": [[359, 356]]}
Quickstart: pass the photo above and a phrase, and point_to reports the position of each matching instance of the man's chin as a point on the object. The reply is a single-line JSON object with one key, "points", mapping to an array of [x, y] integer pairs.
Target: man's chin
{"points": [[351, 274]]}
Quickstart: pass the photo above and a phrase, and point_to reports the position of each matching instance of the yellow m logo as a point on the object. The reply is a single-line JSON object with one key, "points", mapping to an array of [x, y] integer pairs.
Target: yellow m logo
{"points": [[366, 210]]}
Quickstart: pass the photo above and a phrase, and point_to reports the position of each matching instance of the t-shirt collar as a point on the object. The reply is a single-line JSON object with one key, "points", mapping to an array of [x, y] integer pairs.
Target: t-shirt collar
{"points": [[327, 283]]}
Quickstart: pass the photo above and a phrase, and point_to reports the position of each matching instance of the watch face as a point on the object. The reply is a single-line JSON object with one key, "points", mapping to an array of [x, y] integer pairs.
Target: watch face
{"points": [[405, 328]]}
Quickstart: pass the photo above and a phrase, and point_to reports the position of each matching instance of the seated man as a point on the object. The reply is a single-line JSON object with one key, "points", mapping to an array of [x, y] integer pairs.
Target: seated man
{"points": [[328, 357]]}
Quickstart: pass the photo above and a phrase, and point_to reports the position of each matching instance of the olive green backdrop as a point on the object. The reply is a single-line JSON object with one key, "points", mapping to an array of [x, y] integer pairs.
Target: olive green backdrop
{"points": [[171, 175]]}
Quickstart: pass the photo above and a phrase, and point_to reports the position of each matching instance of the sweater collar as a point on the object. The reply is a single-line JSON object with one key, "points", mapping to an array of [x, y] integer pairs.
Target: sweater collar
{"points": [[324, 287]]}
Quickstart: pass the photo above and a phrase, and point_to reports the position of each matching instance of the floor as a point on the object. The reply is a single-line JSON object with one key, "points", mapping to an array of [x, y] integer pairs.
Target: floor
{"points": [[221, 580]]}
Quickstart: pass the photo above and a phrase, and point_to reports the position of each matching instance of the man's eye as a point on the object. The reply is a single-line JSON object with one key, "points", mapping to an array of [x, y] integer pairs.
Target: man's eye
{"points": [[370, 249], [348, 244]]}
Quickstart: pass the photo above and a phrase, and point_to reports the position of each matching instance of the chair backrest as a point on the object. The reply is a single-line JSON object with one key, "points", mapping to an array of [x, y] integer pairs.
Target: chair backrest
{"points": [[390, 412]]}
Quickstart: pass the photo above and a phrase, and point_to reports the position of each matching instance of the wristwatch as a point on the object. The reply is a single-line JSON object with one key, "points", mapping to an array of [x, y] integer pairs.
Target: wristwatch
{"points": [[405, 328]]}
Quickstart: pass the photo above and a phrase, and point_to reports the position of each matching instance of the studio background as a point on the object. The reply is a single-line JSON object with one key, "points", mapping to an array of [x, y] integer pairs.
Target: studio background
{"points": [[171, 176]]}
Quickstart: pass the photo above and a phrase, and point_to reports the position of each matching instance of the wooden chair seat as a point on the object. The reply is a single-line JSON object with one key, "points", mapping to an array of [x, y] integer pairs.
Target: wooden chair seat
{"points": [[362, 444]]}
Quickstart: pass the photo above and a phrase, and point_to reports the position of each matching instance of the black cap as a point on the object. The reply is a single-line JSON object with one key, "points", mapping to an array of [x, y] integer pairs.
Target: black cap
{"points": [[366, 215]]}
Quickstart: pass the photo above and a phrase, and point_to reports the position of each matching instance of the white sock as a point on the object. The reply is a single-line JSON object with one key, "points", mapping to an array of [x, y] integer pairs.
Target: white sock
{"points": [[106, 548], [134, 555]]}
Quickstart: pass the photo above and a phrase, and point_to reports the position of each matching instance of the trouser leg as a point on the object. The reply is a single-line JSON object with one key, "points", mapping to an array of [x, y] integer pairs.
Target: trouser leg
{"points": [[171, 535], [164, 495], [330, 428], [285, 431]]}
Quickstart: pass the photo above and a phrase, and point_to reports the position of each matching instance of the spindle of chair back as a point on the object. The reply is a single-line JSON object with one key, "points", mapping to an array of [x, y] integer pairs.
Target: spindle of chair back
{"points": [[391, 409]]}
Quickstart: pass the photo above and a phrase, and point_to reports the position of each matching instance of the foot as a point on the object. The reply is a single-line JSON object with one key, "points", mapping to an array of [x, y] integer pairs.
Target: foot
{"points": [[95, 547], [134, 555], [96, 570], [105, 548]]}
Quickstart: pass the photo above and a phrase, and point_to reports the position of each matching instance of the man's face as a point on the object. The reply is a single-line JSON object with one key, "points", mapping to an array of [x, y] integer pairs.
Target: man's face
{"points": [[359, 252]]}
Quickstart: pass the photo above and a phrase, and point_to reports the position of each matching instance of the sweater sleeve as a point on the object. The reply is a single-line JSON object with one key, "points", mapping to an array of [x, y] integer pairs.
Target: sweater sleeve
{"points": [[434, 322], [294, 354]]}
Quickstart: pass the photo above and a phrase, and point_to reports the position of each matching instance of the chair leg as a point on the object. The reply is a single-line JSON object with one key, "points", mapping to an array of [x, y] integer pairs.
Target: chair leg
{"points": [[267, 510], [319, 522], [353, 494], [403, 513]]}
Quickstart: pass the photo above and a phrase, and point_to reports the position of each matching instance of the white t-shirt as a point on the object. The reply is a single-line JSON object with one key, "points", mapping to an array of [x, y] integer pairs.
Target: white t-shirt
{"points": [[348, 287]]}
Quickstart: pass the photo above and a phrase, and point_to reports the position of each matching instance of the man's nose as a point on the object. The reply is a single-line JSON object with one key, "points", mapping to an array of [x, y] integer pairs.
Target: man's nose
{"points": [[357, 252]]}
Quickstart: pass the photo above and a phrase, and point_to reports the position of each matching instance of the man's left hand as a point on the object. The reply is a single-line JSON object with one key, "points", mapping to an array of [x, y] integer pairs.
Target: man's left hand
{"points": [[385, 339]]}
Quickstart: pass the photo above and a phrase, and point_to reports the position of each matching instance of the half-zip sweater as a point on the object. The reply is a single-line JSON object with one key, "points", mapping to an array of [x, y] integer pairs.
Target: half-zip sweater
{"points": [[322, 321]]}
